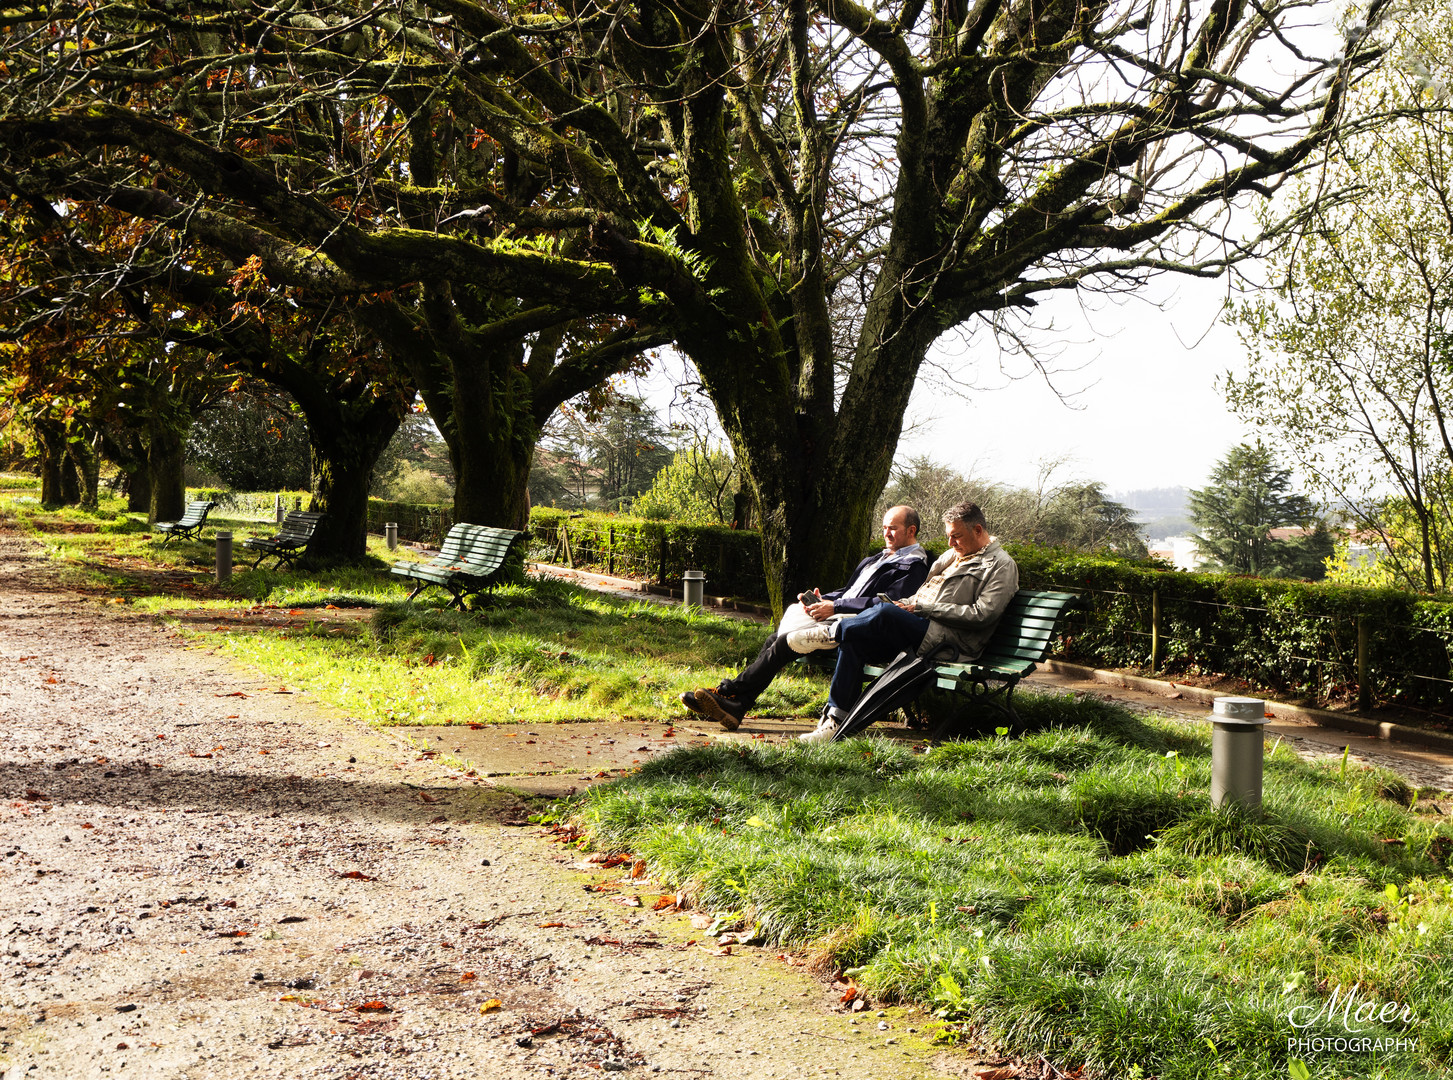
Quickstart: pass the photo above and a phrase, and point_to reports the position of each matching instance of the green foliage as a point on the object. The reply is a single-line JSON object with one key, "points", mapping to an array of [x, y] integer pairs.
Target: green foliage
{"points": [[1287, 637], [1069, 893], [1247, 497], [732, 558], [1074, 514], [695, 489], [252, 441], [599, 459], [414, 467]]}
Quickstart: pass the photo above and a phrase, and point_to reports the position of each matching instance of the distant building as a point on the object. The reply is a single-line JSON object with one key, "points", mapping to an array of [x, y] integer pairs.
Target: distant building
{"points": [[1180, 551]]}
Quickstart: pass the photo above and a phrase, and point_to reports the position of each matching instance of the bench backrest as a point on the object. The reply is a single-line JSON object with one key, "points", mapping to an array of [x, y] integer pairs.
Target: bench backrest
{"points": [[299, 525], [480, 547], [1026, 629], [196, 512]]}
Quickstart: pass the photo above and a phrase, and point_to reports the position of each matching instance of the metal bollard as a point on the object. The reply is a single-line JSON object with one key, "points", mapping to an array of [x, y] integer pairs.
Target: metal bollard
{"points": [[277, 509], [693, 587], [224, 557], [1236, 751], [391, 534]]}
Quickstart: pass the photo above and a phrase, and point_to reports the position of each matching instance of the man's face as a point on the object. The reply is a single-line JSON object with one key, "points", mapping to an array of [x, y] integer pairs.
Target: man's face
{"points": [[895, 533], [967, 539]]}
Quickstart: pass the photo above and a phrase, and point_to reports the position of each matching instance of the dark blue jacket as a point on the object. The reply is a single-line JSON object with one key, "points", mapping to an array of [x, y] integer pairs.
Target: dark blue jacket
{"points": [[898, 575]]}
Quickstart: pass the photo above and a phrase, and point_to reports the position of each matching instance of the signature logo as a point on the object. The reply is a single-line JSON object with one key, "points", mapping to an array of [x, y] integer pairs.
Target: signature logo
{"points": [[1352, 1010]]}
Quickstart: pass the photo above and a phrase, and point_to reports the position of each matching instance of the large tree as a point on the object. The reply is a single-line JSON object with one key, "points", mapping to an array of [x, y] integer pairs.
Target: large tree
{"points": [[1350, 352], [724, 170], [1247, 497]]}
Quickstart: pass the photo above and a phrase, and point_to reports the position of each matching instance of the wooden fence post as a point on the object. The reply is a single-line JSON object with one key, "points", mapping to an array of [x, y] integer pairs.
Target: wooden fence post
{"points": [[610, 550], [1154, 630], [565, 545], [1364, 684]]}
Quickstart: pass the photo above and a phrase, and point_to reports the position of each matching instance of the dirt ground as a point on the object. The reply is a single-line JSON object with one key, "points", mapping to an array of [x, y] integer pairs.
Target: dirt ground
{"points": [[206, 874]]}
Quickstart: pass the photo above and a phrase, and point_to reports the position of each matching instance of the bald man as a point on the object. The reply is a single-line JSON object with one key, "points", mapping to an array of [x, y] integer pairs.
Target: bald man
{"points": [[896, 571]]}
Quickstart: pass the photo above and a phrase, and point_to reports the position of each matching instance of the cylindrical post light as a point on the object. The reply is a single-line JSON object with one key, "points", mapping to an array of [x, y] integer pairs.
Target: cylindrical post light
{"points": [[1236, 751]]}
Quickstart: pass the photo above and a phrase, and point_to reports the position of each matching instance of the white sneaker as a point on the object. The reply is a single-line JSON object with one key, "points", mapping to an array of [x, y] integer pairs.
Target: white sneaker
{"points": [[826, 728], [811, 638]]}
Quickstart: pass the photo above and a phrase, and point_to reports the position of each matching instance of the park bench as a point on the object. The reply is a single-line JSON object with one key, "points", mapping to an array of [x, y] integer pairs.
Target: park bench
{"points": [[1021, 639], [472, 559], [291, 539], [189, 525]]}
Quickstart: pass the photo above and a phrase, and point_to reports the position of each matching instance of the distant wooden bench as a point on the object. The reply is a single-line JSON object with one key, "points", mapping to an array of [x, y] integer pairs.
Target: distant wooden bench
{"points": [[189, 525], [472, 559], [1020, 640], [291, 540]]}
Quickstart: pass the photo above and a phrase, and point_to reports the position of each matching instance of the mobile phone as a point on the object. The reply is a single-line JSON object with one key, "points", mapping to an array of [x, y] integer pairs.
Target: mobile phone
{"points": [[886, 598]]}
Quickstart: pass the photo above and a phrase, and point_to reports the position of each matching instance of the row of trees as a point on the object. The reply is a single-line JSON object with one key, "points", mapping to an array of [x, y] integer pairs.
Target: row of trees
{"points": [[499, 207]]}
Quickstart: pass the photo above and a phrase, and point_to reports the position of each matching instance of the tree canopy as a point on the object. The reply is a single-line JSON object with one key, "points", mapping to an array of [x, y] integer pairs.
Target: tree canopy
{"points": [[519, 198], [1350, 354], [1247, 497]]}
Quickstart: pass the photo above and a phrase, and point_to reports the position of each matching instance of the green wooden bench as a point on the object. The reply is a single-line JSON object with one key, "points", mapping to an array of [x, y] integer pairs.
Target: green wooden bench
{"points": [[290, 542], [472, 560], [189, 525], [1023, 635]]}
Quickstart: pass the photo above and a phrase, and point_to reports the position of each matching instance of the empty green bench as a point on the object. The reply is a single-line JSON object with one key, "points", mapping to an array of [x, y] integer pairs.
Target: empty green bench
{"points": [[189, 525], [290, 542], [1021, 639], [472, 560]]}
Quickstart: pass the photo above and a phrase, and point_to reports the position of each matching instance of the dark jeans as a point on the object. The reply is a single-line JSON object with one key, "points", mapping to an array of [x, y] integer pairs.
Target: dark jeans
{"points": [[747, 686], [876, 636]]}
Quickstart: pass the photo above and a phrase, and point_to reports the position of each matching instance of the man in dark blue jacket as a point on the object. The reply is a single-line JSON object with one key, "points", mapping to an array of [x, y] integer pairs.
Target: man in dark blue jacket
{"points": [[896, 571]]}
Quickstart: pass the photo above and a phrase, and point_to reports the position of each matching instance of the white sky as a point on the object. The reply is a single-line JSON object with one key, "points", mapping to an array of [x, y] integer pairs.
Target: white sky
{"points": [[1139, 407]]}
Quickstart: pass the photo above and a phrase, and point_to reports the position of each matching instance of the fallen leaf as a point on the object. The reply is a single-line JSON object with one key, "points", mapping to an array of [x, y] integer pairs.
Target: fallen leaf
{"points": [[357, 875], [235, 693], [638, 869], [665, 900], [549, 925], [371, 1006], [231, 933], [850, 993], [627, 901], [1002, 1072], [725, 950], [701, 922], [467, 976], [491, 1005]]}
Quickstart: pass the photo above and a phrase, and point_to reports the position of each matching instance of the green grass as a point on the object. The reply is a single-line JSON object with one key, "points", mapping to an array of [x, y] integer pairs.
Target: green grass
{"points": [[543, 651], [1070, 893]]}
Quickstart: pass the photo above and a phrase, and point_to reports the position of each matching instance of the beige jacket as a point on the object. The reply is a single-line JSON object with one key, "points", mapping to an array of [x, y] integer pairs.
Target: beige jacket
{"points": [[964, 603]]}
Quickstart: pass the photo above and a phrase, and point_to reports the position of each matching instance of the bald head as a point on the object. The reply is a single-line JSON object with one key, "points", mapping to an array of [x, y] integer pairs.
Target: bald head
{"points": [[900, 527]]}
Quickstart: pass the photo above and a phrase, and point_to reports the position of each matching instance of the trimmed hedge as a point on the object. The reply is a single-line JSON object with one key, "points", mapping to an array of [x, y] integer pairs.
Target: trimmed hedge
{"points": [[424, 523], [657, 550], [1292, 638]]}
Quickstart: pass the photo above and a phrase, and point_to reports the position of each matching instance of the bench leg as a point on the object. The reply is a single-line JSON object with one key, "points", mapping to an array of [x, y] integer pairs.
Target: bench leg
{"points": [[417, 590]]}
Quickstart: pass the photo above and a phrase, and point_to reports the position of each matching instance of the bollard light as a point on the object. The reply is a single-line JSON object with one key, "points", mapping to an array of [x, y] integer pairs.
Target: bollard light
{"points": [[224, 557], [391, 534], [1236, 751], [693, 587], [277, 509]]}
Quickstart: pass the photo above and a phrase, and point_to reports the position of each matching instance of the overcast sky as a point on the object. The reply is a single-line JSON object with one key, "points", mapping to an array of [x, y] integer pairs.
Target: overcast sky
{"points": [[1140, 410]]}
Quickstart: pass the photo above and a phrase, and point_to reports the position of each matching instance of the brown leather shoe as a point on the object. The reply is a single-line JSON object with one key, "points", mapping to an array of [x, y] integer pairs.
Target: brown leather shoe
{"points": [[726, 711]]}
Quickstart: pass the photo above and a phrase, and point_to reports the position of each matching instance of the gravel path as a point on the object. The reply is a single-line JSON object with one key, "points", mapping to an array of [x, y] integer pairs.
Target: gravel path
{"points": [[206, 875]]}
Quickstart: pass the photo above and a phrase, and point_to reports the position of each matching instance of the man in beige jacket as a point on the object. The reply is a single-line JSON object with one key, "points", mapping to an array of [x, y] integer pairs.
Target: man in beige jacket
{"points": [[968, 588]]}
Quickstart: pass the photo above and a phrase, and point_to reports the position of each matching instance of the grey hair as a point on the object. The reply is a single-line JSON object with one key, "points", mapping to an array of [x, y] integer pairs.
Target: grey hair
{"points": [[967, 512]]}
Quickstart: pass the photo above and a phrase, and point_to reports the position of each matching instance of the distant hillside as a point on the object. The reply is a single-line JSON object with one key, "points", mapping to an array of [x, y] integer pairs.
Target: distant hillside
{"points": [[1160, 511]]}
